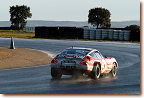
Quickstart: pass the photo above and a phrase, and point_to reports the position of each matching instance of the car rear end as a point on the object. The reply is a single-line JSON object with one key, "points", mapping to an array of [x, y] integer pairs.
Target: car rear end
{"points": [[70, 60]]}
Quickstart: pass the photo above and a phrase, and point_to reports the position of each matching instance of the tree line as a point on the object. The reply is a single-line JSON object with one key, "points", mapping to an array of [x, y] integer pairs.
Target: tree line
{"points": [[97, 17]]}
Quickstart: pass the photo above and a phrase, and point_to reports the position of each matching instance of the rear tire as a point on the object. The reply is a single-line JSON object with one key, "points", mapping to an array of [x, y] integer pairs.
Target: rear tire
{"points": [[113, 71], [95, 74], [56, 73]]}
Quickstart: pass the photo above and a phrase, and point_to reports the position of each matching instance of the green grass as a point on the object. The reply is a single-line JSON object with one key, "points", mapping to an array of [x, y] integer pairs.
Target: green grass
{"points": [[31, 35]]}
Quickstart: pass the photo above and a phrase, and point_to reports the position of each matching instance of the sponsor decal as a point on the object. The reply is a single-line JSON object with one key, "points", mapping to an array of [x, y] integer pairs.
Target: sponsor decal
{"points": [[80, 57], [71, 56]]}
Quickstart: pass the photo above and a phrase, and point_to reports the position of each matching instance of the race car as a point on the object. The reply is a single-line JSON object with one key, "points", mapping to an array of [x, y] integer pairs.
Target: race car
{"points": [[78, 61]]}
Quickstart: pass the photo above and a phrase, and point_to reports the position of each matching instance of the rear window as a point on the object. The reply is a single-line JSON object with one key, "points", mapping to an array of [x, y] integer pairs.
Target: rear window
{"points": [[75, 52]]}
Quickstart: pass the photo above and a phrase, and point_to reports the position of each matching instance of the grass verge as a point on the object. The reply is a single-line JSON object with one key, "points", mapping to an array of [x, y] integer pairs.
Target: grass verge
{"points": [[17, 34]]}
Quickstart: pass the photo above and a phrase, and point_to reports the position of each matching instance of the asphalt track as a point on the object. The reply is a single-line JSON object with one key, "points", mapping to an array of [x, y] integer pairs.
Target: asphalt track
{"points": [[37, 80]]}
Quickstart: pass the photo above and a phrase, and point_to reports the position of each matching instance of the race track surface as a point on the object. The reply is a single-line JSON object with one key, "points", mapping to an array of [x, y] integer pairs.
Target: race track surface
{"points": [[37, 80]]}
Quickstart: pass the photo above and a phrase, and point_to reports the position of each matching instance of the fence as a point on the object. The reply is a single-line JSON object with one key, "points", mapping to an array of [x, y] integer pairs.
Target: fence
{"points": [[59, 32], [87, 33], [5, 28], [106, 34]]}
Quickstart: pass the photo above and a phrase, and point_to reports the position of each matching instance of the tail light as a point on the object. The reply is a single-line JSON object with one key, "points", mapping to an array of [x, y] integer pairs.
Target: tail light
{"points": [[54, 61], [83, 63]]}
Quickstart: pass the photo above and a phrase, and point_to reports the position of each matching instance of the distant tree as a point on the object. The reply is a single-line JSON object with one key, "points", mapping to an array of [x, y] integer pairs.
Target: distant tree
{"points": [[99, 17], [18, 16], [134, 32], [133, 27]]}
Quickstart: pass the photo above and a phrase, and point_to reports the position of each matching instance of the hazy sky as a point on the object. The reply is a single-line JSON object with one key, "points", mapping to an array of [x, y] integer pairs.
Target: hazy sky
{"points": [[73, 10]]}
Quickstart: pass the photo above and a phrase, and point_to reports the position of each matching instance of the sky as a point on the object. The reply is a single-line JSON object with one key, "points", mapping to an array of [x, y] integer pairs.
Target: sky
{"points": [[73, 10]]}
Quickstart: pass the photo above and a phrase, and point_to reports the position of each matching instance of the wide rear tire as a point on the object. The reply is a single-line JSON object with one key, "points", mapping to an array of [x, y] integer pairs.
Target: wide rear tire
{"points": [[56, 73], [113, 71], [95, 74]]}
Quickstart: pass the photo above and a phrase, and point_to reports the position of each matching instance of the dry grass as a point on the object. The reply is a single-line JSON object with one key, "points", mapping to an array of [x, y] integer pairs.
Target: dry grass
{"points": [[22, 58], [17, 34]]}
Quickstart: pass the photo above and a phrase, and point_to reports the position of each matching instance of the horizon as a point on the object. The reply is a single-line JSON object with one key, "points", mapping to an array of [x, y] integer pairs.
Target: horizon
{"points": [[73, 21], [33, 23]]}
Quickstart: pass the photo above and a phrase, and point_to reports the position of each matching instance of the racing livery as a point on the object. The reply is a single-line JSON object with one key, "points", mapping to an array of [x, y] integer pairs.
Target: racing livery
{"points": [[75, 60]]}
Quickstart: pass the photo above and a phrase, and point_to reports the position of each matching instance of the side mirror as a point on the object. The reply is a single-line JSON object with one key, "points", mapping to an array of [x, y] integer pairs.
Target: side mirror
{"points": [[88, 58]]}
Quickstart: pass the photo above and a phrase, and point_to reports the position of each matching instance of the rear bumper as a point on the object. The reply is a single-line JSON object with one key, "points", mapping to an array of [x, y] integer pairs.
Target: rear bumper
{"points": [[69, 70], [80, 67]]}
